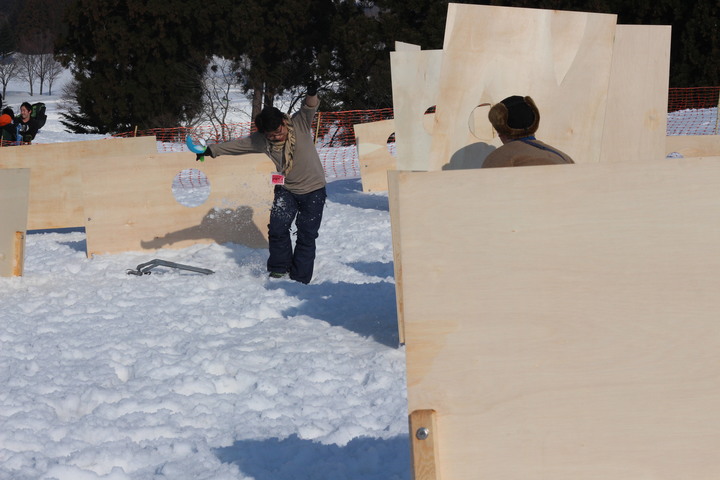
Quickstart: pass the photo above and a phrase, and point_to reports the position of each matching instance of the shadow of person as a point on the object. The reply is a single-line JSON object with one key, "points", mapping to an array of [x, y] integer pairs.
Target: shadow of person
{"points": [[470, 156], [219, 225], [369, 309], [350, 192]]}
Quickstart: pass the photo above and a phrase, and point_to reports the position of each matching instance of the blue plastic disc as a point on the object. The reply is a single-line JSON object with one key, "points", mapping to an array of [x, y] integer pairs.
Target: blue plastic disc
{"points": [[193, 147]]}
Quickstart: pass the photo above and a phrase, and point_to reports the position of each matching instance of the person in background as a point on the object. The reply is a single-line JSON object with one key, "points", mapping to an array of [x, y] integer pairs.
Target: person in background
{"points": [[299, 191], [516, 119], [26, 126], [8, 131]]}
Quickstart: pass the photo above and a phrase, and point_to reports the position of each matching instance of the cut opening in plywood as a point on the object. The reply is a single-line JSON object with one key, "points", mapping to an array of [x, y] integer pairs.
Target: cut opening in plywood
{"points": [[478, 123], [428, 119], [191, 187], [391, 145]]}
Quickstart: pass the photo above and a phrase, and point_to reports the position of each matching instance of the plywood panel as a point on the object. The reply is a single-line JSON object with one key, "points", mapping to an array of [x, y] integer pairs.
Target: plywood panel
{"points": [[562, 320], [129, 204], [693, 145], [561, 59], [373, 154], [14, 195], [406, 47], [636, 115], [55, 189], [394, 205], [415, 85]]}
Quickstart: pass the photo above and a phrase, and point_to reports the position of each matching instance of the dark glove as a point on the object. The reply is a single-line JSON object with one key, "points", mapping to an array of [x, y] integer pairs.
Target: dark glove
{"points": [[200, 157], [312, 88]]}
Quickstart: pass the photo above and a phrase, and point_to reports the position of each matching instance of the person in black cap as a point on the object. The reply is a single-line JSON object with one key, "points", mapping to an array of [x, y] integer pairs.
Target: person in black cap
{"points": [[299, 184], [516, 119]]}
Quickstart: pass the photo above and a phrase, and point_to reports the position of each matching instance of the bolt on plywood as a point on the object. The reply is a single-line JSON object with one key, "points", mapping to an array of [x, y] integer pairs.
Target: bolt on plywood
{"points": [[130, 206], [562, 320]]}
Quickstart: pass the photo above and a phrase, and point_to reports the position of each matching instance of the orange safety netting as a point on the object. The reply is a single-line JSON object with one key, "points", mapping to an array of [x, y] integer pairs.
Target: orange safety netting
{"points": [[333, 133], [693, 98], [691, 111]]}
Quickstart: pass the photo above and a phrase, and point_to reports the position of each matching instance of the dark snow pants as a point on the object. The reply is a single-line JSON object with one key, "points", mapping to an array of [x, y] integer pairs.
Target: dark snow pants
{"points": [[306, 210]]}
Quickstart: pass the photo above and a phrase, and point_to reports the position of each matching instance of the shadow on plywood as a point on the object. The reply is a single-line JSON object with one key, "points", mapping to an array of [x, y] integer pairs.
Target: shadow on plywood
{"points": [[220, 226]]}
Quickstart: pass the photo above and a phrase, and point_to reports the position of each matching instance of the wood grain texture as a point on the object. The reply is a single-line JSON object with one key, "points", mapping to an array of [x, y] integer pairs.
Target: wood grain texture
{"points": [[19, 254], [415, 85], [693, 145], [561, 59], [56, 199], [129, 205], [374, 157], [425, 446], [562, 320], [636, 116], [14, 200]]}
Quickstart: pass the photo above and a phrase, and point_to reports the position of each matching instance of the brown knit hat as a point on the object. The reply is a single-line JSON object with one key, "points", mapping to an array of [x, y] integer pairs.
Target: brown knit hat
{"points": [[515, 117]]}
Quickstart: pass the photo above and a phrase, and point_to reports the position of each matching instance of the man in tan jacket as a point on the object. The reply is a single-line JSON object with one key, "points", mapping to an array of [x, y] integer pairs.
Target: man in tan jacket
{"points": [[516, 119], [299, 184]]}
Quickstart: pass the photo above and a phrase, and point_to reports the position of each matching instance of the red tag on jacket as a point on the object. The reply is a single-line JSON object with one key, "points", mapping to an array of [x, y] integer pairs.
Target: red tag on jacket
{"points": [[277, 178]]}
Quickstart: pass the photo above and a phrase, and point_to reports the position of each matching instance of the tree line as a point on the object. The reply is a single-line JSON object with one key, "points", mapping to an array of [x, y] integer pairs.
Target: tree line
{"points": [[164, 63], [28, 56]]}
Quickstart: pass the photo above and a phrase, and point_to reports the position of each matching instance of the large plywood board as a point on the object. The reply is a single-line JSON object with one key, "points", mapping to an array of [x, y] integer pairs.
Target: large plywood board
{"points": [[130, 206], [562, 59], [415, 85], [374, 154], [693, 145], [14, 195], [636, 115], [55, 184], [562, 320]]}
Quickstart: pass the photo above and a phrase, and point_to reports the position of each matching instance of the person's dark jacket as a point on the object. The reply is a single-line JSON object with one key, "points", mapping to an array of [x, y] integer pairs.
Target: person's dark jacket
{"points": [[26, 130]]}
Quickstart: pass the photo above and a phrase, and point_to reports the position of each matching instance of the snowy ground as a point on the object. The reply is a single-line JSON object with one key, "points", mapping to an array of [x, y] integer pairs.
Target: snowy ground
{"points": [[184, 376]]}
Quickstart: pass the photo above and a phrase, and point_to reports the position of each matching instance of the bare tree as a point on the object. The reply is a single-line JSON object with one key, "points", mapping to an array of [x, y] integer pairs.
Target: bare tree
{"points": [[34, 58], [44, 65], [27, 69], [55, 69], [218, 82], [8, 71]]}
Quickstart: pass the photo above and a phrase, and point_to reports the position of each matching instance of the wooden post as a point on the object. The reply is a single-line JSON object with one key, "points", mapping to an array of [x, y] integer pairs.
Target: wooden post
{"points": [[424, 443], [317, 127], [19, 254]]}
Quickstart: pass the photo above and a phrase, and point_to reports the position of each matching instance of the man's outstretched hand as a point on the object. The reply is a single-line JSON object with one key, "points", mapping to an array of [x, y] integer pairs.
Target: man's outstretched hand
{"points": [[312, 88]]}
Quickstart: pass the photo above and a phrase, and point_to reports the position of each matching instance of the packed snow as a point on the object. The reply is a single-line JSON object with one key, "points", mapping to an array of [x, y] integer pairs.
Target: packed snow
{"points": [[181, 375]]}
